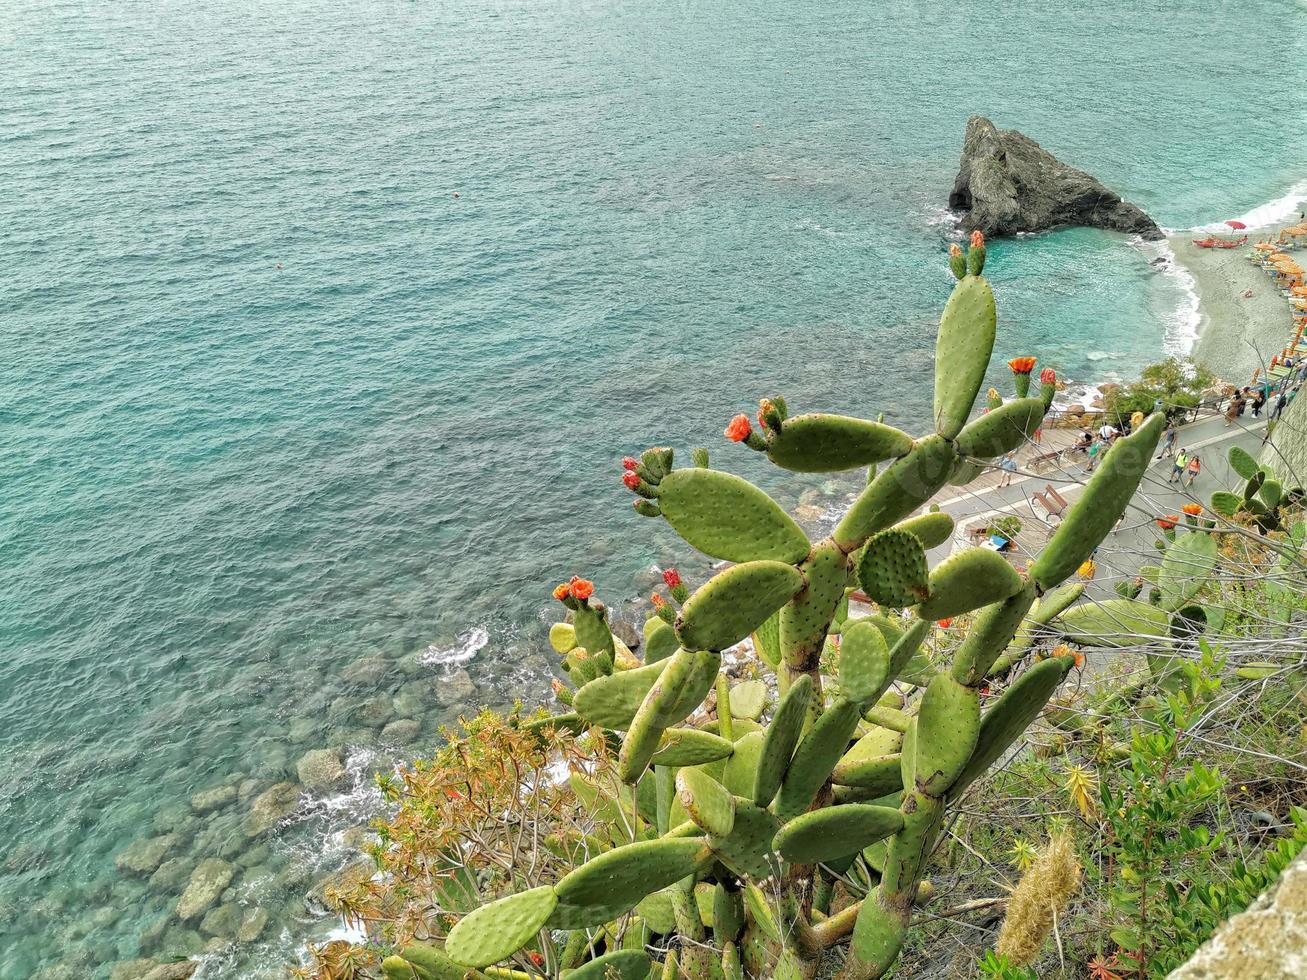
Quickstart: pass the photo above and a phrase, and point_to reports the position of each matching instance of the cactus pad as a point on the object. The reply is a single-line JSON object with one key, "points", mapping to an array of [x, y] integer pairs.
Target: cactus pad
{"points": [[1242, 462], [741, 770], [660, 641], [691, 747], [706, 801], [897, 491], [1113, 622], [732, 604], [962, 350], [419, 961], [727, 517], [626, 874], [827, 443], [864, 663], [892, 570], [562, 637], [948, 723], [932, 529], [612, 700], [496, 931], [835, 831], [1188, 563], [747, 849], [1099, 506], [872, 762], [821, 748], [679, 689], [781, 737], [968, 580], [748, 699], [994, 629], [625, 964], [1002, 430]]}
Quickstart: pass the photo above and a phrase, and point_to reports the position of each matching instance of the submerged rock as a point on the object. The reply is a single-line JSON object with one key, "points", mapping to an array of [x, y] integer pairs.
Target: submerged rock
{"points": [[172, 874], [142, 857], [366, 671], [252, 925], [402, 731], [222, 921], [322, 770], [456, 687], [270, 806], [1007, 183], [206, 801], [208, 881]]}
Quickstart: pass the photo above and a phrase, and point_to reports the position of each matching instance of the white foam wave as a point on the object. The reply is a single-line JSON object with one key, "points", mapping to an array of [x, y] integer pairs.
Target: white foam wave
{"points": [[470, 643], [1181, 324], [1271, 213]]}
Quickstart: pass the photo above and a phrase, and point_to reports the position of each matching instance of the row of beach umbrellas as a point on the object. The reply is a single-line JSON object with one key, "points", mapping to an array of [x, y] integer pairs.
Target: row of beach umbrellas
{"points": [[1287, 274]]}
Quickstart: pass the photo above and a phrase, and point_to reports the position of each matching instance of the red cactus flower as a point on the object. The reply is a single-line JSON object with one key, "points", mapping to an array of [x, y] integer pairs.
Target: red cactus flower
{"points": [[1079, 659], [581, 588], [739, 429], [631, 479], [562, 591], [657, 600], [672, 577], [557, 686], [1193, 510], [1022, 365], [1048, 376], [977, 239], [1168, 522], [629, 463], [536, 958], [945, 623]]}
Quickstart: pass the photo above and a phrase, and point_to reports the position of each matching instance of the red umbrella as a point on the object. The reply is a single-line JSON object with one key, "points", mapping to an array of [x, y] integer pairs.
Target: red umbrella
{"points": [[1236, 225]]}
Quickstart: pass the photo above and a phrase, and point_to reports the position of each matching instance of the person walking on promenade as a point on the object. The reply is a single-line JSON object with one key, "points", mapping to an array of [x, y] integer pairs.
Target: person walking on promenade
{"points": [[1259, 400], [1168, 441], [1177, 471], [1008, 466], [1193, 469], [1280, 404], [1233, 410], [1106, 432]]}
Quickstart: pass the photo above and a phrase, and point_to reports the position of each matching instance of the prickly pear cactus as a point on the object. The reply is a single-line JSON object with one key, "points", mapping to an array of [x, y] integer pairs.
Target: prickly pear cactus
{"points": [[751, 814]]}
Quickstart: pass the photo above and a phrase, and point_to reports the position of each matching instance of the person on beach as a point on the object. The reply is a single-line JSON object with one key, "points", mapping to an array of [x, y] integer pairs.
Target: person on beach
{"points": [[1168, 441], [1177, 471], [1009, 467], [1193, 469]]}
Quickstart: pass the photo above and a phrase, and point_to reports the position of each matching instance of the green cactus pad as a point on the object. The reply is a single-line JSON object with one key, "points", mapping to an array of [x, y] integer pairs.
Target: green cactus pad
{"points": [[1002, 430], [741, 770], [1010, 716], [735, 602], [767, 641], [1188, 563], [993, 631], [681, 687], [1099, 506], [827, 443], [1242, 462], [1271, 492], [1225, 503], [781, 737], [804, 621], [727, 914], [866, 763], [893, 570], [864, 663], [592, 631], [835, 831], [963, 472], [932, 529], [562, 637], [612, 700], [625, 875], [660, 641], [947, 726], [729, 518], [496, 931], [625, 964], [962, 350], [821, 748], [747, 849], [1114, 623], [877, 939], [897, 491], [1254, 485], [748, 699], [732, 965], [419, 961], [656, 910], [691, 747], [968, 580], [706, 801]]}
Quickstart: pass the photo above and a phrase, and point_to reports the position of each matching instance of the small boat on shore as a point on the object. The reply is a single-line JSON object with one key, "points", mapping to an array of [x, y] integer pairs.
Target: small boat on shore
{"points": [[1214, 242]]}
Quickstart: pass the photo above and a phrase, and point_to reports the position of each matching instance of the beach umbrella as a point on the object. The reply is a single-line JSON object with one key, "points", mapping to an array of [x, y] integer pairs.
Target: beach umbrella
{"points": [[1265, 247], [1236, 225]]}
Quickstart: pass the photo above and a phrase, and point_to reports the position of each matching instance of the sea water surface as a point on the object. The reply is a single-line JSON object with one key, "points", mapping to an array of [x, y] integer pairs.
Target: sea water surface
{"points": [[323, 327]]}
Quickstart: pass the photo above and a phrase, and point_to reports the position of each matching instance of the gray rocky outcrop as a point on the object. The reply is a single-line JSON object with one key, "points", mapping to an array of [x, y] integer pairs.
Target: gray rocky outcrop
{"points": [[1007, 183], [208, 881]]}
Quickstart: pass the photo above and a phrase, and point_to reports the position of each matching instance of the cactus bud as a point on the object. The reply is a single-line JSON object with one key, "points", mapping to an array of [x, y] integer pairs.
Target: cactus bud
{"points": [[956, 261], [673, 579], [976, 254], [1168, 522], [646, 508], [1021, 368], [636, 483], [629, 463], [768, 416], [631, 479], [1047, 386], [993, 399]]}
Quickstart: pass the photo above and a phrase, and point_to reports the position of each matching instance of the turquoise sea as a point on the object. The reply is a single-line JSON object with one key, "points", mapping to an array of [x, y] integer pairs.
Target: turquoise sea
{"points": [[323, 327]]}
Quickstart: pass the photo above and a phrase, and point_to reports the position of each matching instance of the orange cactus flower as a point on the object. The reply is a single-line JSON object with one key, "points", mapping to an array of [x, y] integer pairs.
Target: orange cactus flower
{"points": [[739, 429], [955, 250], [581, 588], [1087, 569], [1168, 522], [1022, 365], [562, 591], [1193, 510], [1062, 650], [1080, 660], [945, 623], [977, 239], [657, 600], [557, 686], [1048, 377]]}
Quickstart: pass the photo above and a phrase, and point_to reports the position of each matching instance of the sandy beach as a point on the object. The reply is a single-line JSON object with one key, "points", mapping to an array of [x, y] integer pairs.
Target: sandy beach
{"points": [[1236, 335]]}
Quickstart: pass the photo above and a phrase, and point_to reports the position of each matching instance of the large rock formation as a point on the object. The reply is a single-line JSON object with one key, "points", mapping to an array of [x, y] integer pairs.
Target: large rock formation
{"points": [[1008, 183]]}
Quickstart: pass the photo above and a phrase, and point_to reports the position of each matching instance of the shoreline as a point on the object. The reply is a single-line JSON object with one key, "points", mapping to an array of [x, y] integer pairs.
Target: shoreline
{"points": [[1235, 335]]}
